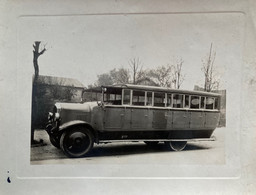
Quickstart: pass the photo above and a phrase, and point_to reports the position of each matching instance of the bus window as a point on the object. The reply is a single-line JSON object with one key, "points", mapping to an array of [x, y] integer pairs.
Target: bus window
{"points": [[112, 96], [91, 96], [186, 101], [194, 102], [202, 105], [177, 101], [159, 99], [216, 104], [138, 98], [118, 97], [209, 102], [169, 100], [126, 98], [149, 99]]}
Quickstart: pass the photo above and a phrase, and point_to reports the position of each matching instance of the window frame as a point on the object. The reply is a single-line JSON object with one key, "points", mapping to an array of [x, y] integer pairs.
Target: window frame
{"points": [[171, 95], [138, 98], [153, 99]]}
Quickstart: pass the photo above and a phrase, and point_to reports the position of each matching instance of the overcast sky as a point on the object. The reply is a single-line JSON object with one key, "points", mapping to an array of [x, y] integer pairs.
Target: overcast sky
{"points": [[82, 47]]}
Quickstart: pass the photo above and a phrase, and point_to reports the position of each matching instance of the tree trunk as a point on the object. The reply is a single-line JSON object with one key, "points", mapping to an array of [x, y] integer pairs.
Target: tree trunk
{"points": [[36, 54]]}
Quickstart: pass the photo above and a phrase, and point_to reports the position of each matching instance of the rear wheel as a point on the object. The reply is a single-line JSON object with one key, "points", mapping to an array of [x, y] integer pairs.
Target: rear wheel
{"points": [[77, 142], [176, 145], [151, 143]]}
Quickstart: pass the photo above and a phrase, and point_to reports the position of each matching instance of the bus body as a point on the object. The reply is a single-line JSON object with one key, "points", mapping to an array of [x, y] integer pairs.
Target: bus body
{"points": [[133, 113]]}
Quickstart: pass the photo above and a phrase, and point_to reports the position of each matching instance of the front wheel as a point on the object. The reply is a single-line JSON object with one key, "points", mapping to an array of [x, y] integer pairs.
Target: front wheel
{"points": [[55, 141], [76, 142], [176, 145]]}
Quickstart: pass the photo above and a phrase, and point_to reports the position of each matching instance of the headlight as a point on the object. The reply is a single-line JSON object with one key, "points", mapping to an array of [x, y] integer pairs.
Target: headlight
{"points": [[50, 115], [57, 116]]}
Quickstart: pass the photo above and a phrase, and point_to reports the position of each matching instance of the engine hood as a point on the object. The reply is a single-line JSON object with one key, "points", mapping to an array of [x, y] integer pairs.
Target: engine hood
{"points": [[84, 107]]}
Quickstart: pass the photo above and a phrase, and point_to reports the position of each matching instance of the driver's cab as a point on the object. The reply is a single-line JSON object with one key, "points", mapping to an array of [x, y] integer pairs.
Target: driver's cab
{"points": [[105, 95]]}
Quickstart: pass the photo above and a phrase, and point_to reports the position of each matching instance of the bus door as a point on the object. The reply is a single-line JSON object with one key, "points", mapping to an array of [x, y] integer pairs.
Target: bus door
{"points": [[113, 111], [113, 117]]}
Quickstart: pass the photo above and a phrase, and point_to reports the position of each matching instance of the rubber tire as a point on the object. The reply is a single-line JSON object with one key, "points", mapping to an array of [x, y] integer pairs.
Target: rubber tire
{"points": [[176, 145], [54, 142], [66, 138], [151, 143]]}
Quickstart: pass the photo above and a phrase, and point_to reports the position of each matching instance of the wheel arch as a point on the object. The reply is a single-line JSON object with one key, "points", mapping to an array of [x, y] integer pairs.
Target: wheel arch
{"points": [[76, 123]]}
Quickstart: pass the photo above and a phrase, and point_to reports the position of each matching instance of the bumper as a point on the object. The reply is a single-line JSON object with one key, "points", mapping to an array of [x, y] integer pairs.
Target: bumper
{"points": [[51, 129]]}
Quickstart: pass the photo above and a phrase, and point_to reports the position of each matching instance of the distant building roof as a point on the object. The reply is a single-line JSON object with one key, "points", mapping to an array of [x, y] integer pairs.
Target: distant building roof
{"points": [[62, 81]]}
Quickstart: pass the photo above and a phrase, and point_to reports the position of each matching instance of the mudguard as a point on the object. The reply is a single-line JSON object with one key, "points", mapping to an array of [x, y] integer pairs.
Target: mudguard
{"points": [[73, 123], [69, 124]]}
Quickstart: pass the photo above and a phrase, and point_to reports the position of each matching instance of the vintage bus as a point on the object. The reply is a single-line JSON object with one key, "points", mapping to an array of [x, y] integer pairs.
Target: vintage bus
{"points": [[133, 113]]}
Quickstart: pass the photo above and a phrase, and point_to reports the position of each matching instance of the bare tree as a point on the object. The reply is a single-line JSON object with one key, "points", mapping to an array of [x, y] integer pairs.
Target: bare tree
{"points": [[138, 75], [161, 76], [35, 91], [211, 82], [177, 75], [120, 75], [104, 79], [37, 53]]}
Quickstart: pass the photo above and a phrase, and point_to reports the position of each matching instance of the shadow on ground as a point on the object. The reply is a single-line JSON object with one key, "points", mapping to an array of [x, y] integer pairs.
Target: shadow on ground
{"points": [[48, 151], [139, 148]]}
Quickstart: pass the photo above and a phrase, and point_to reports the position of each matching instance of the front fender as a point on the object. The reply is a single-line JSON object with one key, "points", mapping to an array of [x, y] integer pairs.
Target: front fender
{"points": [[73, 123], [69, 124]]}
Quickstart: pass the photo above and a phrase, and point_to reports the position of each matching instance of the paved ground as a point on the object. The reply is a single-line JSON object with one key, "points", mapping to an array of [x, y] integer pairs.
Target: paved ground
{"points": [[205, 152]]}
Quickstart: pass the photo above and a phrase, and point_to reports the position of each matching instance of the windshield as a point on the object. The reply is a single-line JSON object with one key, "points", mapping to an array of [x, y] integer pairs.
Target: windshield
{"points": [[91, 96]]}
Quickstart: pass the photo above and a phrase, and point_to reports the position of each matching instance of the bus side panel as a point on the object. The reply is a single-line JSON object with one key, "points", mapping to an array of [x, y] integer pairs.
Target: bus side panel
{"points": [[197, 120], [181, 119], [211, 119], [113, 117], [159, 119], [97, 118], [139, 118], [127, 118], [169, 115]]}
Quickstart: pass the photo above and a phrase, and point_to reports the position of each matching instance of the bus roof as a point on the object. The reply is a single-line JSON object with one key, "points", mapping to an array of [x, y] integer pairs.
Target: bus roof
{"points": [[152, 88]]}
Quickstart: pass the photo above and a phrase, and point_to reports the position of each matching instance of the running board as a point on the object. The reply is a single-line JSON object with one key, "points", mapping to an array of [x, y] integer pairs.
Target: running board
{"points": [[159, 140]]}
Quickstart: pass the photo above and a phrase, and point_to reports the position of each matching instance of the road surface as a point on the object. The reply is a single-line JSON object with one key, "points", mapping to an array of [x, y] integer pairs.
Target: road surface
{"points": [[203, 153]]}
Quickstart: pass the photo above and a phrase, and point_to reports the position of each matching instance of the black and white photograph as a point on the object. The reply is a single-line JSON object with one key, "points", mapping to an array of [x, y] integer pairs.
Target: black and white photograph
{"points": [[129, 88], [131, 92]]}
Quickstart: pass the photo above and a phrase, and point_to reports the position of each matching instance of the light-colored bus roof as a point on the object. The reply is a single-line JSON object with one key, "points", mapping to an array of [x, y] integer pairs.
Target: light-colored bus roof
{"points": [[155, 88]]}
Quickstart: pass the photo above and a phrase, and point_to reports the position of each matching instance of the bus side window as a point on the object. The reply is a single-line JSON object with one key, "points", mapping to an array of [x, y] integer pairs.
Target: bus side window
{"points": [[169, 100], [216, 104], [159, 99], [202, 103], [138, 98], [186, 101], [209, 102], [149, 99], [126, 97], [194, 102], [178, 101]]}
